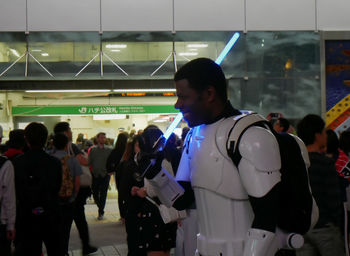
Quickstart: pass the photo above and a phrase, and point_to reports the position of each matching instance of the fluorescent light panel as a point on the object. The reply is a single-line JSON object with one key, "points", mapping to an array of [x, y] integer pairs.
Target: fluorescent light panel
{"points": [[197, 45], [109, 117], [145, 90], [188, 53], [48, 91], [111, 46], [14, 52]]}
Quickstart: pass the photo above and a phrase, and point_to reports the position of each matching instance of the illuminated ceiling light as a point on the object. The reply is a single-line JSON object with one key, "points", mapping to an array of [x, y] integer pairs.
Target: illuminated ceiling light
{"points": [[36, 50], [48, 91], [109, 117], [197, 45], [227, 48], [188, 53], [160, 121], [14, 52], [193, 49], [115, 50], [144, 90], [45, 54], [111, 46]]}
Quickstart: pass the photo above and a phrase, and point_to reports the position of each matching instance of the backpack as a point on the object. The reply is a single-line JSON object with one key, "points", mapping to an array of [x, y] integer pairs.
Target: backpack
{"points": [[35, 191], [297, 208], [67, 186]]}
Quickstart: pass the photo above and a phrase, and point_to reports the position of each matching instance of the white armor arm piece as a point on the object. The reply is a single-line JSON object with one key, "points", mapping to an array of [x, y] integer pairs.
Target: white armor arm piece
{"points": [[166, 188], [259, 172], [261, 161]]}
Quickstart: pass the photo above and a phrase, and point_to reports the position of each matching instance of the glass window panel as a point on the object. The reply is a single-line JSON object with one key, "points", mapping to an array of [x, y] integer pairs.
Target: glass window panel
{"points": [[139, 54], [12, 47], [234, 92], [210, 45], [292, 97], [283, 54], [64, 54]]}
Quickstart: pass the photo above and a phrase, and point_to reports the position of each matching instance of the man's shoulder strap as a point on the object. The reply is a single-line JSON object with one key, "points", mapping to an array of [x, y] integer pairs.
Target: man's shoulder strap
{"points": [[64, 160], [241, 124]]}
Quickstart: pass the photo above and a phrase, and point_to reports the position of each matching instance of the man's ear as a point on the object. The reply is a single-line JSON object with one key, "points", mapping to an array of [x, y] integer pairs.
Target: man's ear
{"points": [[211, 93], [317, 136]]}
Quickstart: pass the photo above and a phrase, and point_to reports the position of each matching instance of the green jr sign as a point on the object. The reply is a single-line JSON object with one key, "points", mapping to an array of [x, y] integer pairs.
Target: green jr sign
{"points": [[92, 110]]}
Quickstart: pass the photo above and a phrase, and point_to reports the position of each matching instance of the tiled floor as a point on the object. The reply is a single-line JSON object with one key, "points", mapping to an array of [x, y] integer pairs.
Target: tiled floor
{"points": [[107, 234], [112, 250], [100, 229]]}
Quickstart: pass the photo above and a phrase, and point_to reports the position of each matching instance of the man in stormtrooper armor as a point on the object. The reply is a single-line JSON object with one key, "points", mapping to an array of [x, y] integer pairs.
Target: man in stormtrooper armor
{"points": [[236, 207]]}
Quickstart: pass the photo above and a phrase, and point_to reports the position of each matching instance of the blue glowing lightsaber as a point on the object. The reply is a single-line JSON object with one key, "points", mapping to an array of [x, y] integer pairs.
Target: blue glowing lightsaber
{"points": [[227, 48], [218, 61], [173, 125]]}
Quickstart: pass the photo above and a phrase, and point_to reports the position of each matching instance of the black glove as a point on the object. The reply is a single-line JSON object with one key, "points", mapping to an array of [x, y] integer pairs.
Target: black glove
{"points": [[151, 164]]}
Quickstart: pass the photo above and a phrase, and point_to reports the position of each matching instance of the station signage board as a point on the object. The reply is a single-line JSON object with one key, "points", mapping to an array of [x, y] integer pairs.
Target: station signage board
{"points": [[92, 110]]}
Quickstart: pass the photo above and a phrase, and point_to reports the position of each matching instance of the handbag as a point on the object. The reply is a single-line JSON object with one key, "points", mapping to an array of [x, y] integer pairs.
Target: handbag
{"points": [[85, 177], [168, 214]]}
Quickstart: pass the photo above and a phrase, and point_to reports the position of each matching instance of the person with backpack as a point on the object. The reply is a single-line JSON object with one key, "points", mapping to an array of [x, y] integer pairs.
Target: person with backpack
{"points": [[38, 178], [7, 206], [71, 171], [84, 190], [237, 195]]}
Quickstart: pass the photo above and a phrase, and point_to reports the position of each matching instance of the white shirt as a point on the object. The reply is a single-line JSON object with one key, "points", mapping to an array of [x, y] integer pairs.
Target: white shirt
{"points": [[7, 195]]}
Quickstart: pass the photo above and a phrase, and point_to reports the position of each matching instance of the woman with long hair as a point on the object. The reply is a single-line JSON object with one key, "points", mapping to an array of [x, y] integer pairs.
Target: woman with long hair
{"points": [[130, 206], [114, 159]]}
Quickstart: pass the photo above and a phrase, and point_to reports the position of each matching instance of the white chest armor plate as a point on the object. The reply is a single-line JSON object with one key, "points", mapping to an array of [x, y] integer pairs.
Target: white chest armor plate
{"points": [[210, 166], [224, 212]]}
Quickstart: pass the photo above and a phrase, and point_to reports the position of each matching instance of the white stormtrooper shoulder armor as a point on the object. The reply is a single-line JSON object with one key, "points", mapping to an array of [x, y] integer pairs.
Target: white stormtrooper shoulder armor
{"points": [[260, 165], [303, 150], [260, 147]]}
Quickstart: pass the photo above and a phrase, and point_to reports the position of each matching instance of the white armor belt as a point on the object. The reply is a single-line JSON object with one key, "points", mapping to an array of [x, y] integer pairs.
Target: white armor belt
{"points": [[222, 222], [215, 247]]}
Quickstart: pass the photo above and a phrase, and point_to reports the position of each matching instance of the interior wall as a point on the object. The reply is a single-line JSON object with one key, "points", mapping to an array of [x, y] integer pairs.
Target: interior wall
{"points": [[171, 15]]}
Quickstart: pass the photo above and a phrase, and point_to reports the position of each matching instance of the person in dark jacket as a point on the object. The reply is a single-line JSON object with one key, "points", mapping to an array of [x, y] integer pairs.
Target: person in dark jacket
{"points": [[113, 161], [130, 206], [38, 178], [326, 236], [172, 153], [16, 144]]}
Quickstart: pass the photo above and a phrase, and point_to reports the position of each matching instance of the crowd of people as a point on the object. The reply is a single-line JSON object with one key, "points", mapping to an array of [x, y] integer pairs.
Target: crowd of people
{"points": [[40, 199], [44, 184]]}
